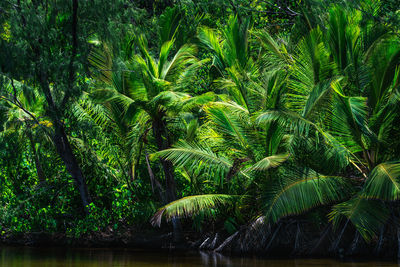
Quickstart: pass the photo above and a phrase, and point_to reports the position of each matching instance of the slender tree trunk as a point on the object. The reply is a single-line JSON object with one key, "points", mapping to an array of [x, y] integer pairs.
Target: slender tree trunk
{"points": [[155, 184], [63, 146], [337, 242], [273, 237], [59, 137], [38, 165], [65, 151], [161, 136], [379, 245], [324, 234], [297, 240], [354, 244]]}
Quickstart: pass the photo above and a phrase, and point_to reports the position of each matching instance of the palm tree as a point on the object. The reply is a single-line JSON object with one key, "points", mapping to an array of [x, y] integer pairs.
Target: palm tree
{"points": [[230, 146], [343, 88], [331, 99], [119, 143], [152, 89]]}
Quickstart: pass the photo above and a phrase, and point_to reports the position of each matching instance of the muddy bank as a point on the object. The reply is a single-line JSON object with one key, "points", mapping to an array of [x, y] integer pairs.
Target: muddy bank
{"points": [[145, 240], [294, 238]]}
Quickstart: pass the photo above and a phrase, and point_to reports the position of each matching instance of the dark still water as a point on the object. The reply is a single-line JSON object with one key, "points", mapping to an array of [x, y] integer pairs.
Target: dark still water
{"points": [[46, 257]]}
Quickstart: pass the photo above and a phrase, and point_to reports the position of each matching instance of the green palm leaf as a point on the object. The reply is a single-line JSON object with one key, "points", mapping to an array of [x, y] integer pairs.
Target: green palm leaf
{"points": [[295, 195], [270, 44], [269, 162], [164, 53], [101, 61], [188, 206], [368, 216], [169, 23], [302, 126], [288, 119], [187, 154], [184, 58], [211, 41], [384, 182], [228, 124]]}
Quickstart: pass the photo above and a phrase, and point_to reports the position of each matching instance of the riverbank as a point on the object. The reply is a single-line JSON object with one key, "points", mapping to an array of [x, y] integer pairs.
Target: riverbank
{"points": [[149, 240], [288, 239]]}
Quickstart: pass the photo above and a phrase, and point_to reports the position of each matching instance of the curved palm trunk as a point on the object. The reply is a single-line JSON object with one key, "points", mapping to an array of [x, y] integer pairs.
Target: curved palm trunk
{"points": [[162, 140]]}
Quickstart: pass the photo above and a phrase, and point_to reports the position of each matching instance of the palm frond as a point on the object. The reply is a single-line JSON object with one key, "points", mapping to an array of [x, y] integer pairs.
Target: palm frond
{"points": [[288, 119], [164, 53], [236, 42], [384, 182], [270, 44], [197, 101], [168, 98], [228, 124], [319, 100], [295, 195], [185, 78], [87, 110], [268, 162], [212, 42], [148, 62], [189, 206], [178, 64], [101, 61], [187, 154], [368, 216], [384, 60], [169, 23], [302, 126]]}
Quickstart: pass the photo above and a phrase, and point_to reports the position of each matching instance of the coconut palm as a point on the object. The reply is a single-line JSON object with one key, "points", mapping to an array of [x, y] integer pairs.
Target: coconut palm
{"points": [[152, 88], [147, 92], [343, 88], [230, 146], [337, 101]]}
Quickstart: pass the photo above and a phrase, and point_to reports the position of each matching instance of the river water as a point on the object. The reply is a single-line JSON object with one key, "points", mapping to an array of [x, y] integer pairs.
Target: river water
{"points": [[60, 257]]}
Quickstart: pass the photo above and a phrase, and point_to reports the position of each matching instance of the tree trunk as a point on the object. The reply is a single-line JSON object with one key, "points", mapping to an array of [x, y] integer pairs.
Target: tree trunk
{"points": [[324, 234], [296, 241], [379, 245], [161, 137], [354, 244], [39, 169], [65, 151], [337, 242], [273, 237], [227, 242], [63, 146], [155, 184]]}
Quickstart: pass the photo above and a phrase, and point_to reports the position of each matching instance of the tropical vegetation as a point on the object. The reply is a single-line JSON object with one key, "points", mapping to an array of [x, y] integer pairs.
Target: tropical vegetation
{"points": [[121, 114]]}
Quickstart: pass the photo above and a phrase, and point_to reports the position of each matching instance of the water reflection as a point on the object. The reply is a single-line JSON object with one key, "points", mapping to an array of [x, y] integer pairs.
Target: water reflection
{"points": [[59, 257]]}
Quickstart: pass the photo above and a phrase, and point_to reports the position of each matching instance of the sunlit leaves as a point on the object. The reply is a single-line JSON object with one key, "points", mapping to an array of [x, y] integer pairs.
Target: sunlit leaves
{"points": [[189, 206]]}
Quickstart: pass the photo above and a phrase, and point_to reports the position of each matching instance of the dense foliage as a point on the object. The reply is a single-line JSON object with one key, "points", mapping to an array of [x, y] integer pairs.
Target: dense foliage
{"points": [[131, 113]]}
